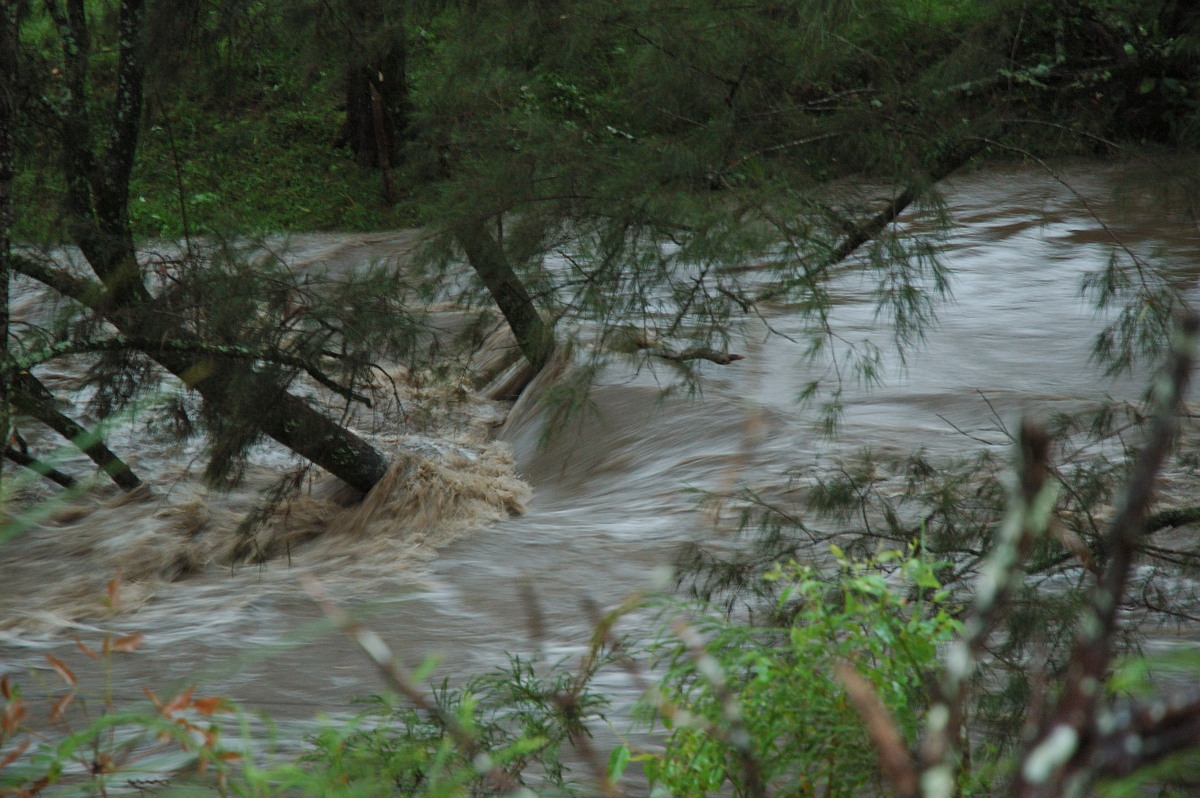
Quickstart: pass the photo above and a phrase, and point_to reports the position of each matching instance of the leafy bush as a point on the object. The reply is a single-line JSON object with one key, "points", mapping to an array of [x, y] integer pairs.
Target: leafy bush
{"points": [[762, 706]]}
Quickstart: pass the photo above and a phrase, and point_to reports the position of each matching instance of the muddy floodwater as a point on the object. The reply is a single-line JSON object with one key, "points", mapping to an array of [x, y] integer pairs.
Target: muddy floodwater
{"points": [[596, 514]]}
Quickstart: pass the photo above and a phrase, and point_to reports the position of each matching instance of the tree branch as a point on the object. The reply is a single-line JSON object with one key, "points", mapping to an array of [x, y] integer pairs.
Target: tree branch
{"points": [[1060, 754], [122, 343], [32, 398], [89, 293], [40, 467], [860, 234], [1028, 516], [696, 353]]}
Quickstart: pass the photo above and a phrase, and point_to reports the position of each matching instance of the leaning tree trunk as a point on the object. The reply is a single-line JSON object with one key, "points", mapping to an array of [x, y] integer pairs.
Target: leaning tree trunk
{"points": [[487, 257], [31, 398], [97, 199]]}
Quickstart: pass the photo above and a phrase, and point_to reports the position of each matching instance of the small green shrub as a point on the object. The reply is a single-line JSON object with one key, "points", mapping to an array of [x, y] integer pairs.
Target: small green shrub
{"points": [[767, 699]]}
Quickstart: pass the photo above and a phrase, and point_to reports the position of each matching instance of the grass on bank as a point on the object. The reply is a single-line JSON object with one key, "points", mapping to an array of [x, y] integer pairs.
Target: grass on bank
{"points": [[269, 170]]}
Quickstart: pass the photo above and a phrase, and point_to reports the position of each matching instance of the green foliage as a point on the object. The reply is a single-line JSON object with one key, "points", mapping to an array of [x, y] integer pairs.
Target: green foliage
{"points": [[274, 169], [269, 171], [772, 689], [519, 721]]}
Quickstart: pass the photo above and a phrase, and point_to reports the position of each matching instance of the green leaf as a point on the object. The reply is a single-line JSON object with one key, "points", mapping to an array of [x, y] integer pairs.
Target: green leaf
{"points": [[618, 760]]}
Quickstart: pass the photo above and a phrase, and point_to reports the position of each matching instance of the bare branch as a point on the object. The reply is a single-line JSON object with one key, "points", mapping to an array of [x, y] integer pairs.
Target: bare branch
{"points": [[898, 767], [720, 358], [41, 467], [29, 396], [1058, 761], [1029, 513]]}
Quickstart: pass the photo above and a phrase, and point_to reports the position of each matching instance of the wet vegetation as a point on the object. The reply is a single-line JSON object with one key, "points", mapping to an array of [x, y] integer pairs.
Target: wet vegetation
{"points": [[653, 174]]}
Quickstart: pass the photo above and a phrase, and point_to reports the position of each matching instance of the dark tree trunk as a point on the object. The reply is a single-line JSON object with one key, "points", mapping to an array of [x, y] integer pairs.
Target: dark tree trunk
{"points": [[31, 398], [488, 259], [377, 97], [9, 82], [46, 470]]}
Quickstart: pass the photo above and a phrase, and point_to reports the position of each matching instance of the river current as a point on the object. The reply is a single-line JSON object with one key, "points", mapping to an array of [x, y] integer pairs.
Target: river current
{"points": [[600, 511]]}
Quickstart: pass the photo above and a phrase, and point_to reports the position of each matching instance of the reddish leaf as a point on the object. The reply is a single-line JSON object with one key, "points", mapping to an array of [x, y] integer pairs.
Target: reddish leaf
{"points": [[207, 706], [83, 647], [59, 709], [62, 670], [229, 756], [153, 698], [5, 688], [179, 702], [13, 713], [114, 591], [12, 755], [129, 642]]}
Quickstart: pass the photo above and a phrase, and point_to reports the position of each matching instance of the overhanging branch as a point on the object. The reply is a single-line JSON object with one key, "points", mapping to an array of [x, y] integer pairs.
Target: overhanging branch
{"points": [[122, 343]]}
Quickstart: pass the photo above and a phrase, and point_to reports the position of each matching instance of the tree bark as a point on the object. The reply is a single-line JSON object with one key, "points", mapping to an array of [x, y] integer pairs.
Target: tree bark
{"points": [[32, 398], [38, 467], [9, 80], [487, 258], [377, 92]]}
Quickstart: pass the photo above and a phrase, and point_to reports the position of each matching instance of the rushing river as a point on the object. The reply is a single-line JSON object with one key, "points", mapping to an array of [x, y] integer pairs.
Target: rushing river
{"points": [[613, 496]]}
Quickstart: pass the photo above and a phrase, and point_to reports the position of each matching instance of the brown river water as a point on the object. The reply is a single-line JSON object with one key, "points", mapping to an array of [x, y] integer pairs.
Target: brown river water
{"points": [[442, 568]]}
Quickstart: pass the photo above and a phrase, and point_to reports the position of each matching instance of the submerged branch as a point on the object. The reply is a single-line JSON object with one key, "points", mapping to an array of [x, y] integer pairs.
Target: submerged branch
{"points": [[29, 396], [40, 467], [122, 343], [698, 353]]}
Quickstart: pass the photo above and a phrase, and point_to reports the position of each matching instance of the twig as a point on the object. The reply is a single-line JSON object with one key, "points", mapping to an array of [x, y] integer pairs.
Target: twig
{"points": [[398, 678], [1137, 261], [898, 768], [737, 736]]}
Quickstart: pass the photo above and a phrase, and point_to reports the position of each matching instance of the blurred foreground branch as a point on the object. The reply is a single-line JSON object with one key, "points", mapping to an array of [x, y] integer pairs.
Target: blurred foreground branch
{"points": [[1079, 737]]}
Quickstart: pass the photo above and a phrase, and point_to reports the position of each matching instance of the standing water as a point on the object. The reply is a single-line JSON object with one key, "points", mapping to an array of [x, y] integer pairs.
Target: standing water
{"points": [[474, 524]]}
